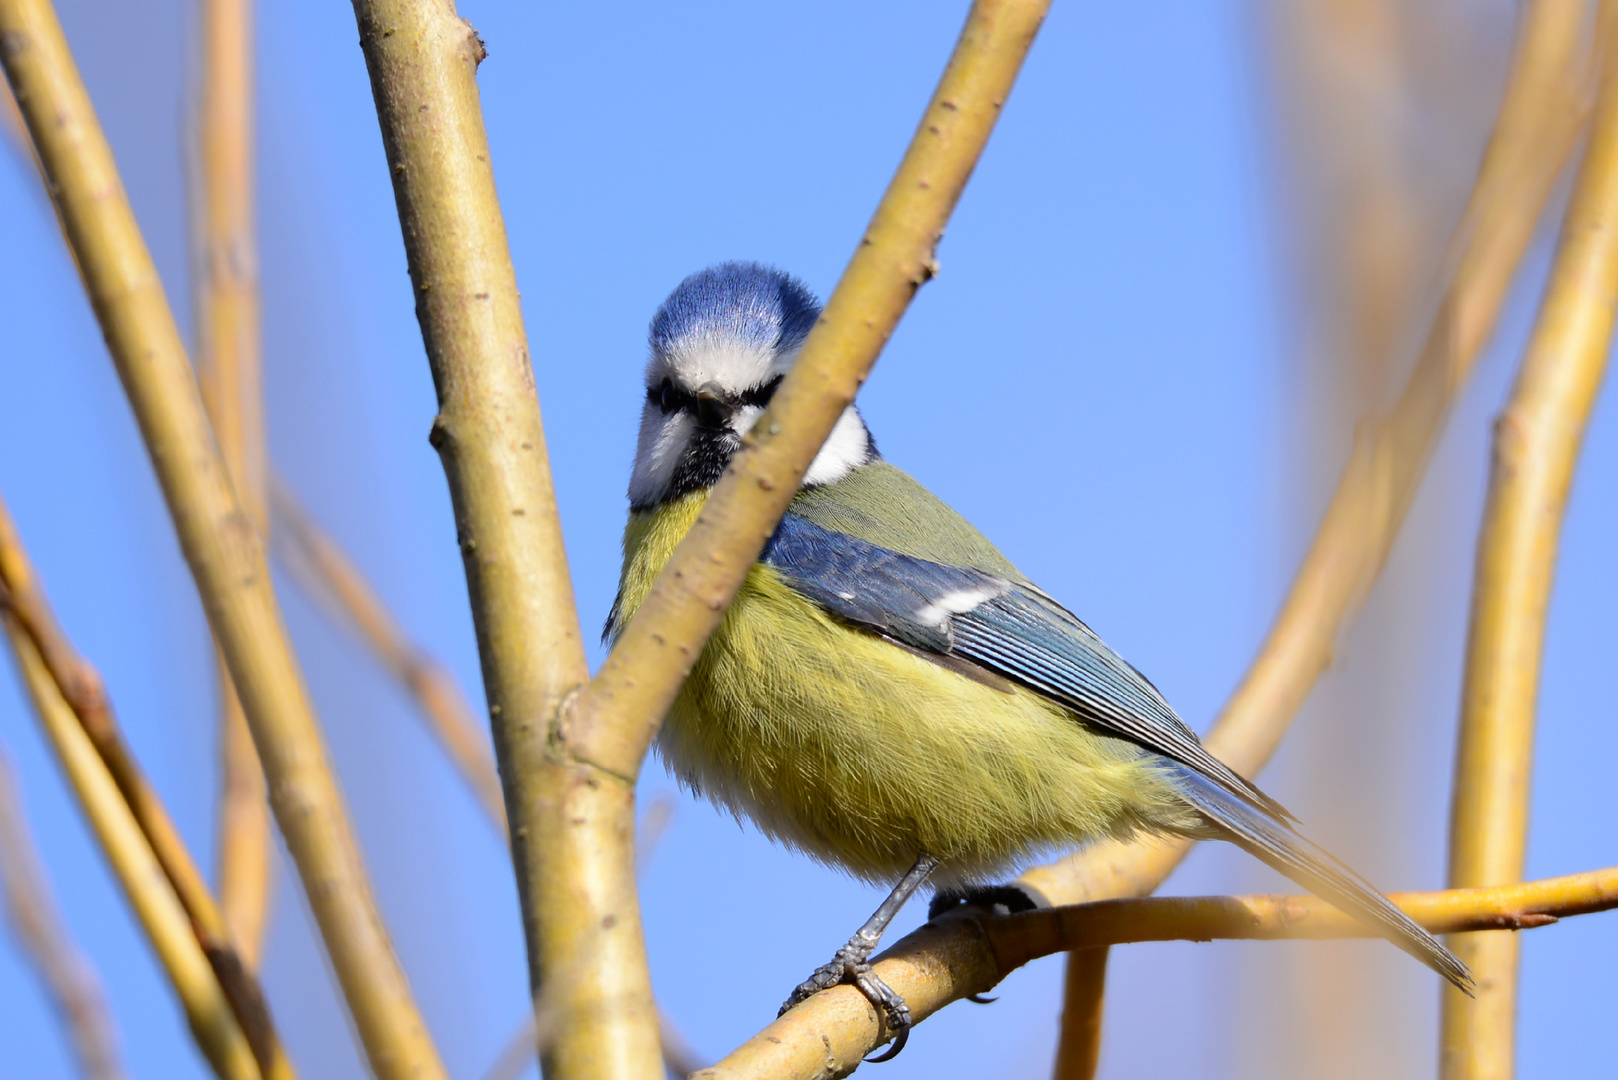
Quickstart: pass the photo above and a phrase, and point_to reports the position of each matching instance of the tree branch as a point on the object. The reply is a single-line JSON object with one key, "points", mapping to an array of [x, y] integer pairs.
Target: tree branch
{"points": [[212, 1020], [23, 602], [970, 953], [74, 988], [228, 366], [217, 537], [423, 60], [1536, 446], [1084, 984]]}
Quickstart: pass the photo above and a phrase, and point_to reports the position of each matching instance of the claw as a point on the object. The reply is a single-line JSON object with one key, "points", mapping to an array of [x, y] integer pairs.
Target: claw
{"points": [[979, 999], [900, 1037]]}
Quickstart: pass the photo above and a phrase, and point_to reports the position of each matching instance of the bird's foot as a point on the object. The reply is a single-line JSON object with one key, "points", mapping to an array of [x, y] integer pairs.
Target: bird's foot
{"points": [[852, 965], [997, 899]]}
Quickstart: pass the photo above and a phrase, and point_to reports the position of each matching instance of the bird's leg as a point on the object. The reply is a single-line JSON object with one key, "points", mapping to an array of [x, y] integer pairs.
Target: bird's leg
{"points": [[851, 964]]}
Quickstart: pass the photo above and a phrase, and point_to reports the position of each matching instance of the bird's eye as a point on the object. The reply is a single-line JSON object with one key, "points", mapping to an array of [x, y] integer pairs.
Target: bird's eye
{"points": [[668, 398]]}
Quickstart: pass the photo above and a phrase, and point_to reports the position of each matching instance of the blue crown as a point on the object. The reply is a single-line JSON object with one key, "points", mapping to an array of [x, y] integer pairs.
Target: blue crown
{"points": [[745, 301]]}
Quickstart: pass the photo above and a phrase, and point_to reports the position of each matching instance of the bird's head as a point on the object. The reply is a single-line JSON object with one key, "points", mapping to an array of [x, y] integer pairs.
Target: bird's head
{"points": [[720, 345]]}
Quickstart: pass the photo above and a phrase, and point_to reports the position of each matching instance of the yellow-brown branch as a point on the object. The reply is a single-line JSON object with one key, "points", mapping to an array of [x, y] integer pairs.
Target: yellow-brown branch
{"points": [[228, 365], [210, 1015], [604, 732], [422, 59], [74, 988], [1536, 445], [1539, 118], [969, 954], [216, 534], [23, 601], [1084, 985]]}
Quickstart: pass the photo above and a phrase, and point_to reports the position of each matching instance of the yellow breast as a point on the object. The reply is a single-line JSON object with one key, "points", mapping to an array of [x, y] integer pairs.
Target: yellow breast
{"points": [[865, 754]]}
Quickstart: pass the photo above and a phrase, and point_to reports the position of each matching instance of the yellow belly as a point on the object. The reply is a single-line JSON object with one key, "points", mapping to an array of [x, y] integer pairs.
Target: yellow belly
{"points": [[864, 754]]}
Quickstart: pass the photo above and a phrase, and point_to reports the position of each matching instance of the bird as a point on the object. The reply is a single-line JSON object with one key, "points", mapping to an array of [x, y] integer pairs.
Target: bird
{"points": [[887, 693]]}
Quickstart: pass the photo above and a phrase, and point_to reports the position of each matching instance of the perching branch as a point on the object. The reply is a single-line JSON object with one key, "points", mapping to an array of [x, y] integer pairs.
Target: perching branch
{"points": [[1540, 116], [23, 602], [330, 577], [1536, 445], [72, 983], [216, 535], [228, 366], [969, 954]]}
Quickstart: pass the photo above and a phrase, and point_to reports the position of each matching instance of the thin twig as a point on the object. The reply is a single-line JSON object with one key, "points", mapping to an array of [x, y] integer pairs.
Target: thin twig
{"points": [[1539, 119], [212, 1020], [1536, 446], [979, 950], [216, 535], [228, 367], [74, 988], [331, 577], [23, 601]]}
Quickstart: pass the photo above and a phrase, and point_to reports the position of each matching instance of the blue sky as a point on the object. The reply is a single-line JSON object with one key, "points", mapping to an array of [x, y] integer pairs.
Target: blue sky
{"points": [[1104, 378]]}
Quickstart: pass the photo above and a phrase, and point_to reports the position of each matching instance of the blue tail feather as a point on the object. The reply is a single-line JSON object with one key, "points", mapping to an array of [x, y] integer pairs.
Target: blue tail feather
{"points": [[1278, 844]]}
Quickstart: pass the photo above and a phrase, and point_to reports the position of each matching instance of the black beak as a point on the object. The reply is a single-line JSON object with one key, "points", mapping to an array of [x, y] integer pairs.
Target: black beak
{"points": [[712, 412]]}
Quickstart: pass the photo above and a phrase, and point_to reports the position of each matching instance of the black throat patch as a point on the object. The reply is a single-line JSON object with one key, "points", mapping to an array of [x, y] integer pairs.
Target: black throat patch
{"points": [[701, 465]]}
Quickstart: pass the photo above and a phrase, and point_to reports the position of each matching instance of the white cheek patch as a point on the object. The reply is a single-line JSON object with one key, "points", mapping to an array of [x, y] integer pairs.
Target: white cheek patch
{"points": [[663, 440], [847, 448], [937, 613]]}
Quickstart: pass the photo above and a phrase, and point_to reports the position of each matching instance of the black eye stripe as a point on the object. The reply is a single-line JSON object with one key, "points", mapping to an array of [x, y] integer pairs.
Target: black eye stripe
{"points": [[760, 395], [671, 398]]}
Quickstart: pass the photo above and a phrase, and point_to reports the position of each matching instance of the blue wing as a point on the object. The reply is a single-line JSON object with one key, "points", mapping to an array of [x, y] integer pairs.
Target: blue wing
{"points": [[1019, 633], [1012, 630]]}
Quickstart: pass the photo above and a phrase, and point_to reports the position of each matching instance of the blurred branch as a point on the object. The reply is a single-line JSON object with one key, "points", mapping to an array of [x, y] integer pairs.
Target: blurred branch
{"points": [[213, 1023], [216, 535], [74, 989], [960, 955], [228, 367], [1539, 120], [1536, 446], [330, 576], [79, 685], [1084, 984]]}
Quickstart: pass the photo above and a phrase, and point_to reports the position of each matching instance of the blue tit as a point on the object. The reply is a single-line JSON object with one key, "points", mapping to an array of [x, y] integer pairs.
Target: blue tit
{"points": [[888, 693]]}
